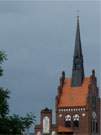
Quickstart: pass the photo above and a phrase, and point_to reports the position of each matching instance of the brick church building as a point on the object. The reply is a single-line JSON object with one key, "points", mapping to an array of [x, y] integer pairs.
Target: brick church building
{"points": [[77, 102]]}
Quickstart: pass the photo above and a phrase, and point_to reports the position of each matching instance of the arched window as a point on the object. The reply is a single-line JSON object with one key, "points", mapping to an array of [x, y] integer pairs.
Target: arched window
{"points": [[94, 126], [76, 119], [46, 125], [94, 123], [68, 121]]}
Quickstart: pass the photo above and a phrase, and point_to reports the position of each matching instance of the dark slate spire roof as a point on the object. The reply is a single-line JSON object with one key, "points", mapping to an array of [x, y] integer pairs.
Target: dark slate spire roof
{"points": [[78, 69], [78, 49]]}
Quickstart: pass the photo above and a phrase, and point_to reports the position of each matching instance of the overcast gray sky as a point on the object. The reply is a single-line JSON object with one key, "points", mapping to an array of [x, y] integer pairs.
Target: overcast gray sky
{"points": [[38, 37]]}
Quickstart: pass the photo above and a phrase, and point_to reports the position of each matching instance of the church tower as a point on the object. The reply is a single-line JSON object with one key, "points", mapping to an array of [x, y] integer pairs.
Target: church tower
{"points": [[78, 69], [77, 101]]}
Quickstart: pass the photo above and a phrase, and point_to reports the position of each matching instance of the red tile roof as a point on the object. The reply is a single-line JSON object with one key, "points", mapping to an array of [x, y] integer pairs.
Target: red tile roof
{"points": [[74, 96]]}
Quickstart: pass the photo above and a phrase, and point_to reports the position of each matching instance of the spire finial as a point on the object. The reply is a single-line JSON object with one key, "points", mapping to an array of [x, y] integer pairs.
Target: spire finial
{"points": [[78, 17], [78, 11]]}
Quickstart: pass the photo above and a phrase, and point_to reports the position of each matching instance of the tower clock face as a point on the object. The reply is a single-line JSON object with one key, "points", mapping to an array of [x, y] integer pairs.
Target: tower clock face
{"points": [[46, 125]]}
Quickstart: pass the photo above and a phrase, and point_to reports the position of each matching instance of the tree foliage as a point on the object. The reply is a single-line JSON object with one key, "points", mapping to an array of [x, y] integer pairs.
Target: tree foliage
{"points": [[16, 125], [28, 121], [3, 57], [11, 125], [4, 107]]}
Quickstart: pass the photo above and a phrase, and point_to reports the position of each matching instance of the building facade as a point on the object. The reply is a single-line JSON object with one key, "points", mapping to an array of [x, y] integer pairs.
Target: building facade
{"points": [[77, 102]]}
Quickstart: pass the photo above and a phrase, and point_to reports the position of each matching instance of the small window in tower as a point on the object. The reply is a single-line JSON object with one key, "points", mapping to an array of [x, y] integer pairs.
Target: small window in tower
{"points": [[94, 123], [76, 118], [67, 121], [93, 126]]}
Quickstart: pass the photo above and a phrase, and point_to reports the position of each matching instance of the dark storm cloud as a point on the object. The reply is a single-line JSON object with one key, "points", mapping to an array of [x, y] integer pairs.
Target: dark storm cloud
{"points": [[39, 40]]}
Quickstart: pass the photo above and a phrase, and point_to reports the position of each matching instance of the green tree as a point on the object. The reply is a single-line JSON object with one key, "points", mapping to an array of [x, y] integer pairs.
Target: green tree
{"points": [[28, 121], [4, 107], [16, 125], [4, 94], [4, 126], [11, 125], [3, 57]]}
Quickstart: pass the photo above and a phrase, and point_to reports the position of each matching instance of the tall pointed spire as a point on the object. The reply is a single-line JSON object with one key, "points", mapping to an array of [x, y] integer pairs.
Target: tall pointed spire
{"points": [[78, 69], [78, 49]]}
